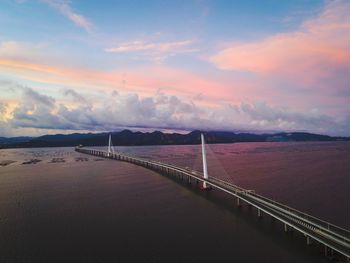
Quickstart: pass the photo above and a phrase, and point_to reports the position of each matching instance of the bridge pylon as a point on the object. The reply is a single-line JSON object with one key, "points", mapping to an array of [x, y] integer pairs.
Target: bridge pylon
{"points": [[110, 148], [205, 166]]}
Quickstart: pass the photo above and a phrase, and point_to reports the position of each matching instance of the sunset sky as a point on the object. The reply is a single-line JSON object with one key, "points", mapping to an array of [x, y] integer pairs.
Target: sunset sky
{"points": [[261, 66]]}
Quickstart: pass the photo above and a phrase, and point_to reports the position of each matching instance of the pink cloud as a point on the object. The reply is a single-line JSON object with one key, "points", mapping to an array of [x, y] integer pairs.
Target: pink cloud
{"points": [[318, 50], [144, 81], [206, 90]]}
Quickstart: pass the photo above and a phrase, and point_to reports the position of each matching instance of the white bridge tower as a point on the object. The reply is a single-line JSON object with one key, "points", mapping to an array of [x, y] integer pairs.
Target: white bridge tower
{"points": [[205, 167], [110, 149]]}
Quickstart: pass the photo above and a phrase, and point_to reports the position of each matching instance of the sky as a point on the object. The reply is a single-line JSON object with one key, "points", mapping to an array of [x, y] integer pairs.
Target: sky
{"points": [[256, 66]]}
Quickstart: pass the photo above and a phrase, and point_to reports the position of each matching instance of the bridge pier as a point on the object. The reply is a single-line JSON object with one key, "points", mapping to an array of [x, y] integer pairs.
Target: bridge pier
{"points": [[329, 251], [308, 240], [238, 202], [288, 228], [259, 213]]}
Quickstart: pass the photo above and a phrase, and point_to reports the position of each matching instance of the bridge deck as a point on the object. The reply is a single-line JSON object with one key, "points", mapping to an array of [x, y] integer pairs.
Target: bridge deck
{"points": [[326, 233]]}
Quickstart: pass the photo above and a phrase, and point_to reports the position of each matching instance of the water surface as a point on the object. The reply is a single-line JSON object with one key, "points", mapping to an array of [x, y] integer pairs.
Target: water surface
{"points": [[70, 207]]}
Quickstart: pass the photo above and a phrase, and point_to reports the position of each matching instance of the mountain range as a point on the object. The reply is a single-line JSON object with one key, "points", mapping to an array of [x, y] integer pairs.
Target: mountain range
{"points": [[129, 138]]}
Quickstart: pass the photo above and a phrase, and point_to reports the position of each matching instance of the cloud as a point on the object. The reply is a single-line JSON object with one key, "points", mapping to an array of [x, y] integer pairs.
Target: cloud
{"points": [[64, 7], [155, 51], [3, 110], [34, 97], [129, 110], [35, 111], [214, 90], [317, 52], [145, 80], [75, 96], [180, 46]]}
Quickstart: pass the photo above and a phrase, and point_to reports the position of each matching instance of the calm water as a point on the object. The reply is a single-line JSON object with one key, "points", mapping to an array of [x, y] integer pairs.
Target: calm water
{"points": [[62, 206]]}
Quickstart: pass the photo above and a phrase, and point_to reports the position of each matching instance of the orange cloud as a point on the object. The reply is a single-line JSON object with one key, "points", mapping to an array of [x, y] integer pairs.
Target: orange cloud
{"points": [[314, 52]]}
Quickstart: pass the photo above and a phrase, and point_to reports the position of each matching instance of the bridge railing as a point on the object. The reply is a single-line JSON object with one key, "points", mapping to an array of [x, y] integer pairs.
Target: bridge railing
{"points": [[332, 229], [326, 226]]}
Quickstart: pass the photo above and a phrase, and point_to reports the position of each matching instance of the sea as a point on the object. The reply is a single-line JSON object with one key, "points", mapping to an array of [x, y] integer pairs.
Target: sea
{"points": [[57, 205]]}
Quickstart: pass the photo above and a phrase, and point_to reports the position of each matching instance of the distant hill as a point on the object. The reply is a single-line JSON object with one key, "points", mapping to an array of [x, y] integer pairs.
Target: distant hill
{"points": [[128, 138], [12, 140]]}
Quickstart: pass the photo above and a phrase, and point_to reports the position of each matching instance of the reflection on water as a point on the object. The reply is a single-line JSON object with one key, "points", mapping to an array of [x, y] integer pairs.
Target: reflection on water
{"points": [[57, 205]]}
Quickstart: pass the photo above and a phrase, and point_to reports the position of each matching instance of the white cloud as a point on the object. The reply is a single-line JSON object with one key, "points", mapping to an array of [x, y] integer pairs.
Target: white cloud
{"points": [[65, 9], [157, 51], [134, 46]]}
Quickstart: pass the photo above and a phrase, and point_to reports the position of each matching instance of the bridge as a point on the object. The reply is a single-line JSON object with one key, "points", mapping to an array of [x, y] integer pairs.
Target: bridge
{"points": [[336, 240]]}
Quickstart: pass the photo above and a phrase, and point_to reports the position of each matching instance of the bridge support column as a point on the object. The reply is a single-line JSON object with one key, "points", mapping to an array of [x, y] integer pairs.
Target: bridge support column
{"points": [[347, 260], [325, 250], [308, 240], [285, 228], [238, 202], [259, 213]]}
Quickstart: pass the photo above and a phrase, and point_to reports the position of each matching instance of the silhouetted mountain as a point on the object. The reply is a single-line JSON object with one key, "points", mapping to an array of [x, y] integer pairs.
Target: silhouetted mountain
{"points": [[12, 140], [126, 138], [303, 136]]}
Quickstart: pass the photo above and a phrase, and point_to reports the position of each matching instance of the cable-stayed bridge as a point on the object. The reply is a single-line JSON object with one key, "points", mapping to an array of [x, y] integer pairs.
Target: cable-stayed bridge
{"points": [[334, 239]]}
